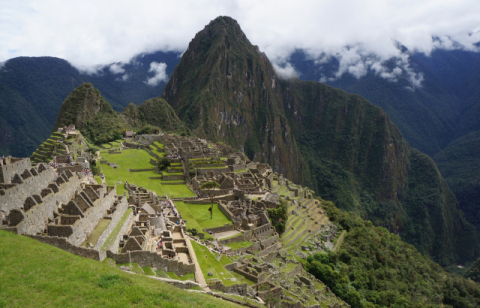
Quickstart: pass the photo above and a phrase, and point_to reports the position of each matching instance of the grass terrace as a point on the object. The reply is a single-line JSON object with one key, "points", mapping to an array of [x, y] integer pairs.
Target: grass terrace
{"points": [[237, 245], [139, 159], [94, 236], [46, 276], [208, 263], [111, 238]]}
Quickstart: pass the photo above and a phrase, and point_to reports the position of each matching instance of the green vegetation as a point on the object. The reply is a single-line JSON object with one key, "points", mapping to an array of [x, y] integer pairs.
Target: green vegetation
{"points": [[345, 148], [460, 165], [473, 271], [279, 217], [191, 221], [202, 215], [237, 245], [46, 276], [163, 164], [148, 271], [189, 276], [208, 263], [375, 268], [139, 159], [93, 237]]}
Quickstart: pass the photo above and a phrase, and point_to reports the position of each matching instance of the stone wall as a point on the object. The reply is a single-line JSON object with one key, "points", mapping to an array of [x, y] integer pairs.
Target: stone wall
{"points": [[63, 244], [225, 228], [74, 168], [83, 227], [123, 230], [239, 238], [122, 206], [240, 289], [263, 231], [215, 193], [7, 171], [174, 177], [153, 260], [268, 250], [269, 241], [234, 168], [133, 145], [213, 170], [15, 196]]}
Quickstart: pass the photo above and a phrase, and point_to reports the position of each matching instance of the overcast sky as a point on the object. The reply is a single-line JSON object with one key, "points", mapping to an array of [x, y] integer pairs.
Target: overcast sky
{"points": [[360, 33]]}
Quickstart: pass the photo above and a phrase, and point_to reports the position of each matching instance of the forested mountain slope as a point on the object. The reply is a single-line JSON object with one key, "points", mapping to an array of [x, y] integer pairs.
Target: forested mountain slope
{"points": [[32, 90], [339, 144]]}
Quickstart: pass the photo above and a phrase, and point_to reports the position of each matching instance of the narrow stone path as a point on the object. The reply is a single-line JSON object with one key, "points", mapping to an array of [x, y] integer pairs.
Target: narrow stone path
{"points": [[198, 271]]}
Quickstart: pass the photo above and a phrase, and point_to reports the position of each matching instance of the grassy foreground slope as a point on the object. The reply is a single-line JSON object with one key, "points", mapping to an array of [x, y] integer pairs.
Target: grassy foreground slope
{"points": [[46, 276]]}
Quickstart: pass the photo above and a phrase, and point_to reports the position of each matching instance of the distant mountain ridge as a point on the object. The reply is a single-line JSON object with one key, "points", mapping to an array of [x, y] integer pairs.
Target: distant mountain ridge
{"points": [[32, 90]]}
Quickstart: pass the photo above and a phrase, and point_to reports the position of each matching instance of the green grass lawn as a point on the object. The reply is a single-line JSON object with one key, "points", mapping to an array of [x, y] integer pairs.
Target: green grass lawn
{"points": [[148, 271], [210, 264], [189, 276], [191, 221], [241, 170], [139, 159], [93, 237], [33, 274], [160, 145], [98, 179], [202, 215], [236, 245], [225, 260]]}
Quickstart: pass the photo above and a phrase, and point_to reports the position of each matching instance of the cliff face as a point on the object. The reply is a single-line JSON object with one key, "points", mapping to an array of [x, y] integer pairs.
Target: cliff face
{"points": [[338, 144]]}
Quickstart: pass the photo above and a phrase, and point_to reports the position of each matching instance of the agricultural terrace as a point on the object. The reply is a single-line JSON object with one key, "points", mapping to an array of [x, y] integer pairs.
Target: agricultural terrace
{"points": [[139, 159]]}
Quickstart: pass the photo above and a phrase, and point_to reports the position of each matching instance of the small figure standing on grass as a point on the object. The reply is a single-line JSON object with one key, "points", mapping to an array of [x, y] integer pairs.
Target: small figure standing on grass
{"points": [[210, 186]]}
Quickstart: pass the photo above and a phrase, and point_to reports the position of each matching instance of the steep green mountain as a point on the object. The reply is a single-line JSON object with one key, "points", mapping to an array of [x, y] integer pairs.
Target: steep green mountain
{"points": [[224, 89], [375, 268], [86, 108], [460, 165], [32, 90], [154, 111], [338, 144]]}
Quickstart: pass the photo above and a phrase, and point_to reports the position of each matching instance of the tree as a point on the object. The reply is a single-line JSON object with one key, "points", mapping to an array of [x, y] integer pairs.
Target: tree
{"points": [[210, 186], [163, 163]]}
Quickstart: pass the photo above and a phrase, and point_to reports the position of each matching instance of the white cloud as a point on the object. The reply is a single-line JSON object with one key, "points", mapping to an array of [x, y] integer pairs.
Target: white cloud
{"points": [[160, 71], [123, 78], [285, 70], [359, 33], [117, 68]]}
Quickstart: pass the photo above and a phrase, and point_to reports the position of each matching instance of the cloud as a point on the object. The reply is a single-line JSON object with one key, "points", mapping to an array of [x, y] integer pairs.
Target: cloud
{"points": [[160, 71], [116, 68], [123, 78], [286, 71], [360, 34]]}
